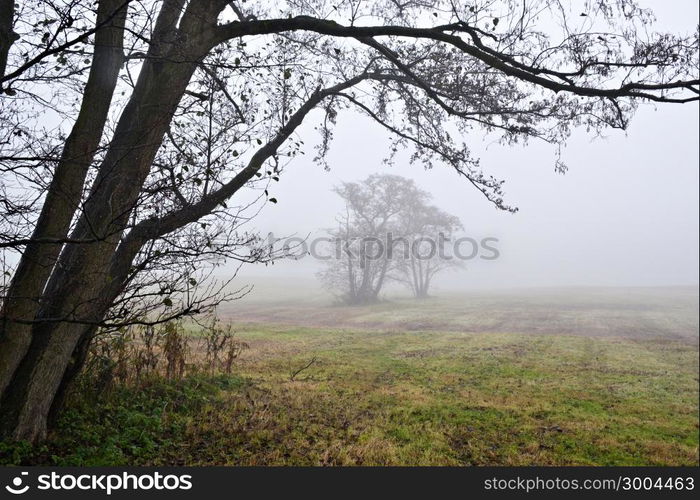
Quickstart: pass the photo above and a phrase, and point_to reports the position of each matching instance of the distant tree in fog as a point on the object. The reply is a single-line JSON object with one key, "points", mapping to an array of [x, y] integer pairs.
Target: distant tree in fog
{"points": [[373, 209], [388, 232], [428, 231]]}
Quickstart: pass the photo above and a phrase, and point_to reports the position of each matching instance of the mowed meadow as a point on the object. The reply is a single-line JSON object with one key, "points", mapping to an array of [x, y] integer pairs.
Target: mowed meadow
{"points": [[599, 376]]}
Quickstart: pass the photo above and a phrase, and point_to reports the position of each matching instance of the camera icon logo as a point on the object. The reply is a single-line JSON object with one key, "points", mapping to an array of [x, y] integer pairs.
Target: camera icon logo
{"points": [[16, 488]]}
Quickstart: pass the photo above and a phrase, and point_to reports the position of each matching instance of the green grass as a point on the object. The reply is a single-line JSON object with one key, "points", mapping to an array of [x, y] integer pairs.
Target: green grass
{"points": [[381, 394], [394, 398], [455, 398], [126, 427]]}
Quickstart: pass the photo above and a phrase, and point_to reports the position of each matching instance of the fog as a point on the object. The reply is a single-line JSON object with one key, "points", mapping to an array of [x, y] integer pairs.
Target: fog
{"points": [[625, 214]]}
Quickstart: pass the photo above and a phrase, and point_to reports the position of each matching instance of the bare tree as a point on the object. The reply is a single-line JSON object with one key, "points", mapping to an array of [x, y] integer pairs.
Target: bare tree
{"points": [[362, 262], [428, 232], [93, 91], [388, 232]]}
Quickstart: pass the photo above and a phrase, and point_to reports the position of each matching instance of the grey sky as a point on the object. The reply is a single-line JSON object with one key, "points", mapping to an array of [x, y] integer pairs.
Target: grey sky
{"points": [[626, 213]]}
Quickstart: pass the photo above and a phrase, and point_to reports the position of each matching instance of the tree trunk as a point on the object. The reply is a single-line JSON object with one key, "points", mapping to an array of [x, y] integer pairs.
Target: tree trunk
{"points": [[75, 366], [23, 299], [74, 299], [380, 279], [7, 34], [28, 400]]}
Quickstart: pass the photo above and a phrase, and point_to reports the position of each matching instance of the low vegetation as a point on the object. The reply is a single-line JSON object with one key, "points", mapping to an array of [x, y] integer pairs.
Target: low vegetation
{"points": [[350, 396]]}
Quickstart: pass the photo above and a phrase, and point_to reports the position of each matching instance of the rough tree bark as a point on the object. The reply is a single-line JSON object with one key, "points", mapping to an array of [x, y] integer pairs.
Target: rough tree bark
{"points": [[7, 34], [64, 193]]}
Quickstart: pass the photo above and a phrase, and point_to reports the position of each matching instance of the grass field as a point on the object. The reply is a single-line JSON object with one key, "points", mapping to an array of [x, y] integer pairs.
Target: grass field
{"points": [[593, 377]]}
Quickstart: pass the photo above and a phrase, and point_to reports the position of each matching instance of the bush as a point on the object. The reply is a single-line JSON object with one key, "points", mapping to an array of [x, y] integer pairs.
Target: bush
{"points": [[139, 388], [137, 353]]}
